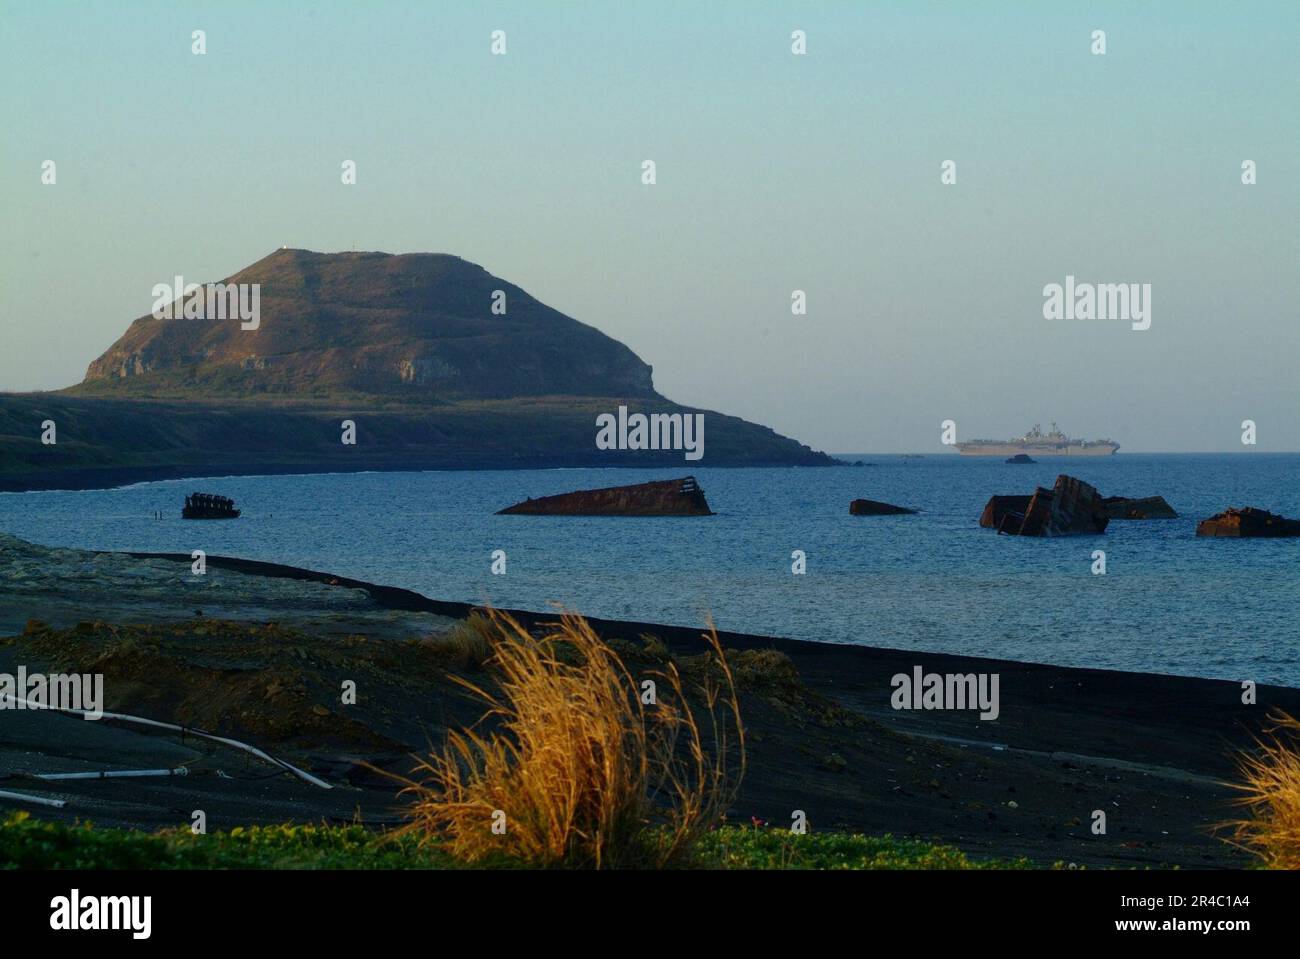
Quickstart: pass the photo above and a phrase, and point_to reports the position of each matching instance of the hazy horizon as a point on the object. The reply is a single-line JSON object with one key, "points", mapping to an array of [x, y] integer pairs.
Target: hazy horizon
{"points": [[775, 173]]}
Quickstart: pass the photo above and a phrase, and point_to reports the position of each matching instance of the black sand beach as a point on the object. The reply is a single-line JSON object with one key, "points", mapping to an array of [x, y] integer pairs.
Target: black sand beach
{"points": [[1153, 752]]}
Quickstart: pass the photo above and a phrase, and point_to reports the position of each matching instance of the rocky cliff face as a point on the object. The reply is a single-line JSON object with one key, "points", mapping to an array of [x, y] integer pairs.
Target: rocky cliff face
{"points": [[417, 325]]}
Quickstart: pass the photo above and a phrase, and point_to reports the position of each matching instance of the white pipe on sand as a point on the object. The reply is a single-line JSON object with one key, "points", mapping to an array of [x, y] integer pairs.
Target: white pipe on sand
{"points": [[113, 774], [39, 800], [288, 767]]}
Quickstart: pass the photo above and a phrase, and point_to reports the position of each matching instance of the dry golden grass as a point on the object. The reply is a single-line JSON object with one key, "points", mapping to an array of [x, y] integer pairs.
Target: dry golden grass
{"points": [[468, 644], [1271, 794], [584, 773]]}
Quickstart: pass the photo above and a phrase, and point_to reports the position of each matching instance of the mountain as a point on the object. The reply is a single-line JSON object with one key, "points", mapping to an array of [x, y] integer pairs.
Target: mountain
{"points": [[419, 325], [407, 348]]}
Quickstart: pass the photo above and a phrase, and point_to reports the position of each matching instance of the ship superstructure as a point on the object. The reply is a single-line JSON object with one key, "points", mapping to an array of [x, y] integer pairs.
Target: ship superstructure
{"points": [[1038, 443]]}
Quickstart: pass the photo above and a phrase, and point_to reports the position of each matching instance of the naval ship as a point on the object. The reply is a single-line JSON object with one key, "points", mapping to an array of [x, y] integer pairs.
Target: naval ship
{"points": [[1037, 442]]}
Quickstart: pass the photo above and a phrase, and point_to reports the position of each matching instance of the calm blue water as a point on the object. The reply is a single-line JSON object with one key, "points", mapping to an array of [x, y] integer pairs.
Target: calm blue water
{"points": [[1168, 603]]}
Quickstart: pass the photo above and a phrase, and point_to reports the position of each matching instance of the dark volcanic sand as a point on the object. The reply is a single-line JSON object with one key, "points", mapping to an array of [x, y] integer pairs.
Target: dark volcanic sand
{"points": [[1149, 750]]}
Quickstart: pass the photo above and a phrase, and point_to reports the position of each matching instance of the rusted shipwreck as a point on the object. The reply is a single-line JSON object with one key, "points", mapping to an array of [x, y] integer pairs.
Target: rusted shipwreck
{"points": [[998, 507], [676, 497], [1070, 508], [1248, 522], [1144, 507], [871, 507], [1116, 507]]}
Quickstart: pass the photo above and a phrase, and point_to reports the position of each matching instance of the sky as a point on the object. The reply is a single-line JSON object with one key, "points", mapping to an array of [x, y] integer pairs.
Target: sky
{"points": [[775, 172]]}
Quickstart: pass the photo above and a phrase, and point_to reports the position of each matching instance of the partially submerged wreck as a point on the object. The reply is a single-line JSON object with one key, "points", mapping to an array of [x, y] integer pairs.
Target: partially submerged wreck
{"points": [[1146, 507], [1248, 522], [1115, 507], [871, 507], [209, 506], [676, 497], [1070, 508], [999, 506]]}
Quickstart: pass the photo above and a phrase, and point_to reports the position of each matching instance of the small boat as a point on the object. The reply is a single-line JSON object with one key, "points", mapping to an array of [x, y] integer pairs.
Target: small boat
{"points": [[209, 506]]}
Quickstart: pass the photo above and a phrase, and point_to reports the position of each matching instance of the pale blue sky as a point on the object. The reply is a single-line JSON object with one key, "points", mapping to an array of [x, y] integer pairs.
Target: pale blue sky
{"points": [[775, 173]]}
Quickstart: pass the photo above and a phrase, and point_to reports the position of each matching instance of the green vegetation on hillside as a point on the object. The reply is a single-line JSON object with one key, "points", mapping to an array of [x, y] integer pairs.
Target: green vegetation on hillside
{"points": [[106, 442]]}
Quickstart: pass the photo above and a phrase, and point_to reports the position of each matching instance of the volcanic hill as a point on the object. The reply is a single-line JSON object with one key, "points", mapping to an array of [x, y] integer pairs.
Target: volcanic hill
{"points": [[417, 326], [407, 346]]}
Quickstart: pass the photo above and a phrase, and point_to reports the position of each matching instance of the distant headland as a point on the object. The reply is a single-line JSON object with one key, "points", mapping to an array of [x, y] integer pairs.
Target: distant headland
{"points": [[435, 363]]}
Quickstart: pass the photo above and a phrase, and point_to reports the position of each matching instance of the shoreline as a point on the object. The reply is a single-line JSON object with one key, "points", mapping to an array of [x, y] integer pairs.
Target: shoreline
{"points": [[82, 480], [1154, 752], [400, 598]]}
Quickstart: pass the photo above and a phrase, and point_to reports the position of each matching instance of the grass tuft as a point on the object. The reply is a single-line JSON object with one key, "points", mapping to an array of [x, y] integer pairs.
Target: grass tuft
{"points": [[1271, 795], [570, 766], [468, 644]]}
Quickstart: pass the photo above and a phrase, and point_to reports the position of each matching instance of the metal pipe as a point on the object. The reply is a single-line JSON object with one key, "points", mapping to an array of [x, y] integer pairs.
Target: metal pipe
{"points": [[123, 717], [39, 800], [113, 774]]}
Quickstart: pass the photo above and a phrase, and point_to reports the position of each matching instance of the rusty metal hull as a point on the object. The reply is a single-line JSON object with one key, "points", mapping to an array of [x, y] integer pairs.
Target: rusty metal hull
{"points": [[1146, 507], [1070, 508], [1248, 522], [677, 497], [999, 506]]}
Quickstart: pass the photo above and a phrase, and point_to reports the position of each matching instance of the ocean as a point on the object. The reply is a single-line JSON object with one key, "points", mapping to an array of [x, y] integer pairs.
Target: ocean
{"points": [[936, 581]]}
